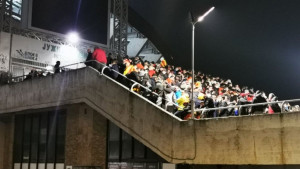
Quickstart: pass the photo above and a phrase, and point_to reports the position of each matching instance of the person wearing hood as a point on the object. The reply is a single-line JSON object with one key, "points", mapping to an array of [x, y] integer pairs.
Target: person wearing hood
{"points": [[182, 109]]}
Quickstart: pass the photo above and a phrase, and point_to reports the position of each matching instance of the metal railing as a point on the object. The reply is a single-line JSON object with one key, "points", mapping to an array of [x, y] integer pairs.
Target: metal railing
{"points": [[250, 105]]}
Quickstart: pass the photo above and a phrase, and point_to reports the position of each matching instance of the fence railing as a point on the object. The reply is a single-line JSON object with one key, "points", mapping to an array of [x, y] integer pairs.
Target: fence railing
{"points": [[282, 102]]}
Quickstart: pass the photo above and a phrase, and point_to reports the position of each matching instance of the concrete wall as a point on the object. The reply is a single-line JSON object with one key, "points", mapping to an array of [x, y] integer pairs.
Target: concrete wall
{"points": [[2, 141], [238, 167], [85, 137], [270, 139]]}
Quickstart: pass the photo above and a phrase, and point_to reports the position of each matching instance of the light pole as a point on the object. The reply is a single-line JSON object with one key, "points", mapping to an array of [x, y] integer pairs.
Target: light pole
{"points": [[193, 49]]}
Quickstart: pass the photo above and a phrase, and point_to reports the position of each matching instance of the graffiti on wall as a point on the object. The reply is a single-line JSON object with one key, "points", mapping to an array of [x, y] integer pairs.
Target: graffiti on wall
{"points": [[27, 55], [3, 62]]}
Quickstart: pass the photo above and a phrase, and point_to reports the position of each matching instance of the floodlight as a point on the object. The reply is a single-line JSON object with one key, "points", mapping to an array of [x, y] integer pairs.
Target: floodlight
{"points": [[73, 37], [203, 16]]}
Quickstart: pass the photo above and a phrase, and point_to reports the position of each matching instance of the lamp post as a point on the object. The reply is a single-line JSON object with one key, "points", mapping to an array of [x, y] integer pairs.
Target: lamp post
{"points": [[201, 18]]}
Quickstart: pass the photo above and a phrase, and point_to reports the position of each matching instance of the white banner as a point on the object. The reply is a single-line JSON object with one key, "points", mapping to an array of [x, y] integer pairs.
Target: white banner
{"points": [[4, 51], [45, 52]]}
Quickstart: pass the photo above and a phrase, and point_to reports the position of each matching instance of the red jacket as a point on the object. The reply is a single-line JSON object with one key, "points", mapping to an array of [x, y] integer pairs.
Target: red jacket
{"points": [[99, 55]]}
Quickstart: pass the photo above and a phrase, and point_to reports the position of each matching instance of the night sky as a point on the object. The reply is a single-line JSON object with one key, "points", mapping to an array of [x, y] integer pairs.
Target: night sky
{"points": [[254, 43]]}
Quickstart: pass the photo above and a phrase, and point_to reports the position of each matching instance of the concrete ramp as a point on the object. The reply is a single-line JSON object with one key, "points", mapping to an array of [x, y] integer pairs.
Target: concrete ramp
{"points": [[270, 139]]}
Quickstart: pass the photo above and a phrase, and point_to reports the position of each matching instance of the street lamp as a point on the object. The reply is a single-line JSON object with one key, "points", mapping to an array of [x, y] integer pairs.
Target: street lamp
{"points": [[201, 18]]}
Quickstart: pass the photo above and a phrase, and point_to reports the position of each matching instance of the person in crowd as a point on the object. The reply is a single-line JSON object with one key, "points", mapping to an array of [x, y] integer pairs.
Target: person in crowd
{"points": [[259, 97], [128, 67], [182, 109], [114, 69], [110, 59], [163, 62], [30, 75], [207, 102], [243, 101], [273, 108], [99, 56], [224, 102], [57, 68], [169, 97], [89, 58]]}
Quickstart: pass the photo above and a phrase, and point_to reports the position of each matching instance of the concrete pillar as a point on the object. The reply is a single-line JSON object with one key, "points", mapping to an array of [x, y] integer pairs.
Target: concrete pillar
{"points": [[6, 141], [2, 141], [85, 137]]}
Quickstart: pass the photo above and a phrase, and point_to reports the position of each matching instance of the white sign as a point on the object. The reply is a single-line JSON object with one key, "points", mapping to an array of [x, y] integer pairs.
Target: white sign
{"points": [[4, 51], [45, 52]]}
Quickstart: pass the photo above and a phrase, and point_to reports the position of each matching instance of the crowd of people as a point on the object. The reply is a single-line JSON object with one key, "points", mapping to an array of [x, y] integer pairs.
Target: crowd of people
{"points": [[170, 87]]}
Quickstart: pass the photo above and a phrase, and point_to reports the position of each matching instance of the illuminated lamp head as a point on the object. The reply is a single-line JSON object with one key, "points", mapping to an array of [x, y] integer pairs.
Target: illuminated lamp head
{"points": [[73, 37]]}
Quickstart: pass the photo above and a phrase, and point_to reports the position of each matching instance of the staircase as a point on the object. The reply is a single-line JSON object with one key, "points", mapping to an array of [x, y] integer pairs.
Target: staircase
{"points": [[265, 139]]}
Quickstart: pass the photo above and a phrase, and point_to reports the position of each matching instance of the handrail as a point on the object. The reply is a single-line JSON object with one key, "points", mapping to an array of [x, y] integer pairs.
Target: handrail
{"points": [[247, 105]]}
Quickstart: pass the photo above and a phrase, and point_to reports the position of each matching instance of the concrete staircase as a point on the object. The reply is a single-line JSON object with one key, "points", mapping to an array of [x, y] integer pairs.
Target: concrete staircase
{"points": [[265, 139]]}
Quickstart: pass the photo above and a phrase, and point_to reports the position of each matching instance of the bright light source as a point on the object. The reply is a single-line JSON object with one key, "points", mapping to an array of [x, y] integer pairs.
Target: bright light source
{"points": [[48, 68], [202, 17], [73, 37]]}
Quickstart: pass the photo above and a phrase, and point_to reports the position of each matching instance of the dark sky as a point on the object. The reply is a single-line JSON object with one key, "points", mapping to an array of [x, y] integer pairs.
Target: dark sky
{"points": [[72, 15], [255, 43]]}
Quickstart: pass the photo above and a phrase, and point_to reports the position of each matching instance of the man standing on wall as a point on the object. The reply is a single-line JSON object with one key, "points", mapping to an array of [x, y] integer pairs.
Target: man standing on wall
{"points": [[99, 56]]}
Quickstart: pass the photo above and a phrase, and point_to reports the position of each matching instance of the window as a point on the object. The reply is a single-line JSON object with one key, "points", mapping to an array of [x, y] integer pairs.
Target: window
{"points": [[126, 152], [39, 139]]}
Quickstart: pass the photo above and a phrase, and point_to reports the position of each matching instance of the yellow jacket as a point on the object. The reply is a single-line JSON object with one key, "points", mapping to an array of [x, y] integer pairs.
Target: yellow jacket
{"points": [[181, 100]]}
